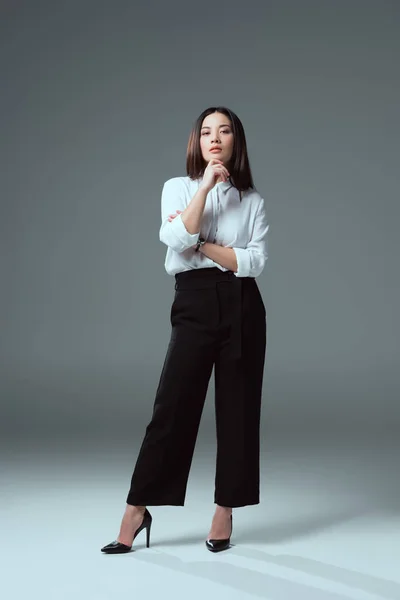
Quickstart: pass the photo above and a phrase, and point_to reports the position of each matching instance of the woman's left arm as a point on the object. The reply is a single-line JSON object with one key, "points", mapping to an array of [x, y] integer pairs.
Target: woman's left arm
{"points": [[244, 262], [251, 260], [224, 256]]}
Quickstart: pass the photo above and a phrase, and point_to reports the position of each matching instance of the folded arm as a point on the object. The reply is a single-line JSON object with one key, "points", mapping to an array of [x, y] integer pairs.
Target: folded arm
{"points": [[174, 233], [251, 260], [244, 262], [223, 255]]}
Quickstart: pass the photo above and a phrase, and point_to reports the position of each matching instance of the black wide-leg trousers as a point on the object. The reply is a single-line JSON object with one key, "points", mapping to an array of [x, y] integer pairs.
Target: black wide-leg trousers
{"points": [[218, 320]]}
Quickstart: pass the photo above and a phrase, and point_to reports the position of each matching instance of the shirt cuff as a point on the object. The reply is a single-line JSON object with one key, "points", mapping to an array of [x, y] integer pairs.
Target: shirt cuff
{"points": [[243, 262], [187, 239]]}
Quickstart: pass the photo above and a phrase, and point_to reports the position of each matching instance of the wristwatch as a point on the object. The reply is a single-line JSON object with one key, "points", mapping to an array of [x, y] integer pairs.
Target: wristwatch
{"points": [[200, 242]]}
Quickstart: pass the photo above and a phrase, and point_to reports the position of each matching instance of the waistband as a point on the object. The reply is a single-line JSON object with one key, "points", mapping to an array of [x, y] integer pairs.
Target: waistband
{"points": [[208, 277]]}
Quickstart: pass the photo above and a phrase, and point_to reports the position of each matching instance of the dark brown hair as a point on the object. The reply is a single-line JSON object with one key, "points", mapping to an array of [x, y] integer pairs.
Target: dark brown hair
{"points": [[239, 166]]}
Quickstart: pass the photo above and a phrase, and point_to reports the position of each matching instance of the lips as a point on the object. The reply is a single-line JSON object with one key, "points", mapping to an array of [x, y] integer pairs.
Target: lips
{"points": [[215, 149]]}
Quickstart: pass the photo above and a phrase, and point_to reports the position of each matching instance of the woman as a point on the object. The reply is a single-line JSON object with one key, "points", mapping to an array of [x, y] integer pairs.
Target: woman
{"points": [[215, 226]]}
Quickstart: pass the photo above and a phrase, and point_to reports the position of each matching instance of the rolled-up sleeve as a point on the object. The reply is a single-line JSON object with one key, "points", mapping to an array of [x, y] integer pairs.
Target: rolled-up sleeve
{"points": [[251, 260], [174, 234]]}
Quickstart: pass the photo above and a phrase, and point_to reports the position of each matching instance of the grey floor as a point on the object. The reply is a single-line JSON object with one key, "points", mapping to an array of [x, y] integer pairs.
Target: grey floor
{"points": [[327, 526]]}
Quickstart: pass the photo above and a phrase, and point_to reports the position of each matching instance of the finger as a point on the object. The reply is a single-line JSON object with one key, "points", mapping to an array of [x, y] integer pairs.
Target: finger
{"points": [[222, 171], [225, 172]]}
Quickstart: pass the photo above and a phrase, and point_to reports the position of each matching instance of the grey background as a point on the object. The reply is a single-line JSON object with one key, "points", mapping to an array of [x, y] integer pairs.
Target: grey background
{"points": [[97, 102]]}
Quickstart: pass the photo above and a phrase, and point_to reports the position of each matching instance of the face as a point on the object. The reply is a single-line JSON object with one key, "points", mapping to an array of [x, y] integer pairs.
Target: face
{"points": [[216, 130]]}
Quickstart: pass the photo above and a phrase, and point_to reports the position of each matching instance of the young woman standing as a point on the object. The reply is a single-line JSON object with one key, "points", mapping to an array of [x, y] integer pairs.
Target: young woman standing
{"points": [[214, 225]]}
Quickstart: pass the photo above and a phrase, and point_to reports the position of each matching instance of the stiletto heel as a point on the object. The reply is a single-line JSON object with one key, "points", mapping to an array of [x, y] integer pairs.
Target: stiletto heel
{"points": [[116, 547], [218, 545], [148, 535]]}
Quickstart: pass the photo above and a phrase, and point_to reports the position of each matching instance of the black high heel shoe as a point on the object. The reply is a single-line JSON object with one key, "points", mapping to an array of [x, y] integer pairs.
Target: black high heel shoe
{"points": [[218, 545], [118, 548]]}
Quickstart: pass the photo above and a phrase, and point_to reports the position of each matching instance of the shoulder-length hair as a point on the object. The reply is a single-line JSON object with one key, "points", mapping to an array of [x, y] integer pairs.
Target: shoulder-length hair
{"points": [[239, 166]]}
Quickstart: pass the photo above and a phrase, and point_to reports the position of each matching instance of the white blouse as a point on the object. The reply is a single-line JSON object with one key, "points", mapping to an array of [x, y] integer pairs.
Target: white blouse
{"points": [[226, 221]]}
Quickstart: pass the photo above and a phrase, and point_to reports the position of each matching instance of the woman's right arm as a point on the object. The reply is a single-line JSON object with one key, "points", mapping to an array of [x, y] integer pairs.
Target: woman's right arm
{"points": [[193, 213], [175, 234], [183, 231]]}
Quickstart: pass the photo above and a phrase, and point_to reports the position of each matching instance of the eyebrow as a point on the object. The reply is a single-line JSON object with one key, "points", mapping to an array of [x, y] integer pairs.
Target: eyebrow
{"points": [[224, 125]]}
